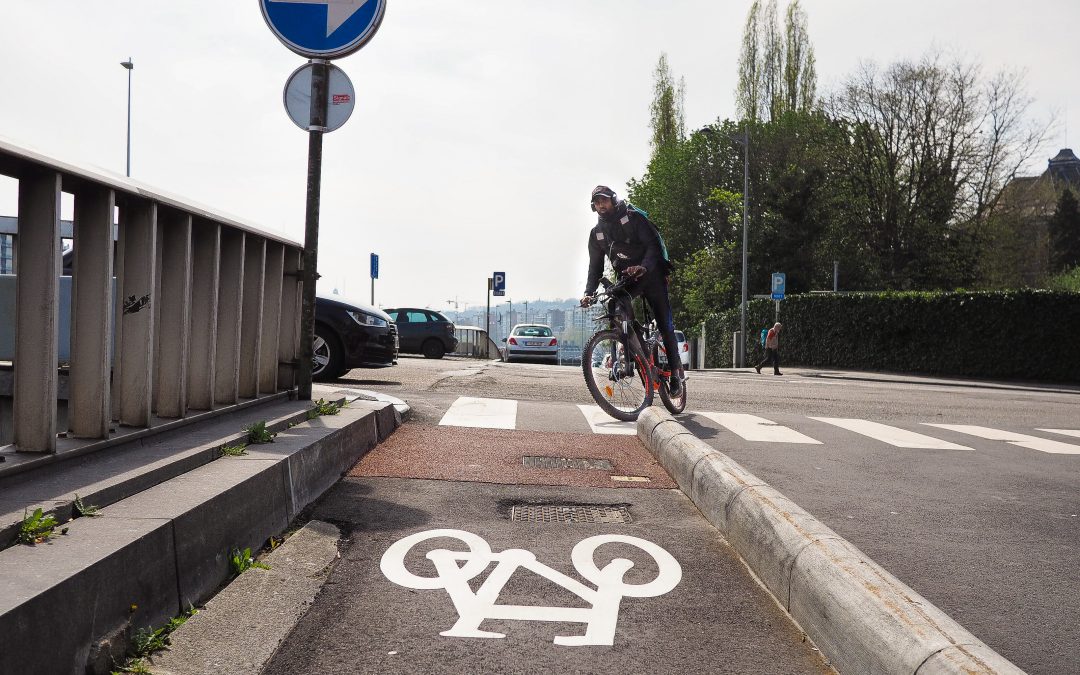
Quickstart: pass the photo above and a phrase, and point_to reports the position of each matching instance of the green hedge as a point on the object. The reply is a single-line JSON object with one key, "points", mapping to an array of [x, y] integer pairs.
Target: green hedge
{"points": [[1025, 334]]}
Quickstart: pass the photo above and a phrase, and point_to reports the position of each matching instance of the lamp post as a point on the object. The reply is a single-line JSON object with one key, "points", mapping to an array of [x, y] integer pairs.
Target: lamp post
{"points": [[509, 317], [129, 65], [526, 311], [745, 142]]}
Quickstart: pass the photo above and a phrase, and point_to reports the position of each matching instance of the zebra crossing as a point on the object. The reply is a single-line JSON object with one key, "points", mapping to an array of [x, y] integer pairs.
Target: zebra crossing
{"points": [[494, 413]]}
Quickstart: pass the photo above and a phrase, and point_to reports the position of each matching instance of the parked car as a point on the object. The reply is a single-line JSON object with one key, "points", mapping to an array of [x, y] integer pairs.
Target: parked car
{"points": [[532, 341], [684, 350], [350, 334], [424, 331]]}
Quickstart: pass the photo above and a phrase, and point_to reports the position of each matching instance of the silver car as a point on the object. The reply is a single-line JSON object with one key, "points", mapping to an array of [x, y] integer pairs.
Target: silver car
{"points": [[532, 341]]}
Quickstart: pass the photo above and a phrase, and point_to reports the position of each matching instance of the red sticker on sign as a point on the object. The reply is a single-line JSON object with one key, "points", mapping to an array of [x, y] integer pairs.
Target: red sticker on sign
{"points": [[341, 98]]}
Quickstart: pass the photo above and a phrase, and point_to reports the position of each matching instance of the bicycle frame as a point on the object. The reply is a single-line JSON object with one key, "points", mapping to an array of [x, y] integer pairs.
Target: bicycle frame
{"points": [[646, 334]]}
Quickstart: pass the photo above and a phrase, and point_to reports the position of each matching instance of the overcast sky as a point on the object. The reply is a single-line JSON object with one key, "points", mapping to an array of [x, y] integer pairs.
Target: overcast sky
{"points": [[480, 126]]}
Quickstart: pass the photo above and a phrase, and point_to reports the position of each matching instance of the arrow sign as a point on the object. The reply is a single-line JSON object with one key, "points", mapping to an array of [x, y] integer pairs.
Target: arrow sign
{"points": [[323, 29]]}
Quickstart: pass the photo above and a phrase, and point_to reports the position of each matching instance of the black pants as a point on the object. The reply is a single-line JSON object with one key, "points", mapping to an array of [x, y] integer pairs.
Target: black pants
{"points": [[772, 355], [655, 291]]}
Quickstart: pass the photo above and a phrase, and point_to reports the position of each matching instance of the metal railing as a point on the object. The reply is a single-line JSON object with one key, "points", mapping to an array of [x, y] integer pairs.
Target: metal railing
{"points": [[207, 313], [474, 342]]}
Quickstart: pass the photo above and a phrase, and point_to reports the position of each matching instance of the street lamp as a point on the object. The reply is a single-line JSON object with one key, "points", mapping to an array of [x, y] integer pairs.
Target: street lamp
{"points": [[129, 65], [745, 142], [526, 311], [509, 317]]}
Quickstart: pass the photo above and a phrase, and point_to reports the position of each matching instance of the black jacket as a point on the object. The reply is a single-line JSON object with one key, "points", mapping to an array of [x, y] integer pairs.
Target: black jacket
{"points": [[628, 238]]}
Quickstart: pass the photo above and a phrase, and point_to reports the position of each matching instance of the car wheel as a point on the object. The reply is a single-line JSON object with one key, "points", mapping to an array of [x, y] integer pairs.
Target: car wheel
{"points": [[327, 355], [433, 349]]}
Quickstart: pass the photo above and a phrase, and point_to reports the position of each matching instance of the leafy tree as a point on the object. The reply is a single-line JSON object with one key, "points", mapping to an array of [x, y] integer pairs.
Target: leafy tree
{"points": [[747, 94], [777, 72], [666, 111], [800, 71], [1064, 227]]}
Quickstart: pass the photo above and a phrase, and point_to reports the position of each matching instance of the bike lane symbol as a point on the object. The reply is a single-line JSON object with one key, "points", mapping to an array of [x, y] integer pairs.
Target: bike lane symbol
{"points": [[474, 607]]}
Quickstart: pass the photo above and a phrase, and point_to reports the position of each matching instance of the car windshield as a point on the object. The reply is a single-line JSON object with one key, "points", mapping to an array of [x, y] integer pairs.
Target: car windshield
{"points": [[533, 331]]}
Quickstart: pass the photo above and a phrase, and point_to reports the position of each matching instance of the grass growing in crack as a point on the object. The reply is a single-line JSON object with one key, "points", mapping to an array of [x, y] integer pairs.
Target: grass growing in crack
{"points": [[84, 510], [234, 450], [242, 561], [323, 407], [36, 528], [149, 640], [258, 433]]}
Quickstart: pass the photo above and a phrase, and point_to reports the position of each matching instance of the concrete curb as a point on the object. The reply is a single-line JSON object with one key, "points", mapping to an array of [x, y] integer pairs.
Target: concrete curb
{"points": [[243, 625], [862, 618]]}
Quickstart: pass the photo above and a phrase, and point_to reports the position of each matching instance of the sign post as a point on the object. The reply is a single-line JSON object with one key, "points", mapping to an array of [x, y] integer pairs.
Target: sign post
{"points": [[374, 275], [779, 284], [319, 30]]}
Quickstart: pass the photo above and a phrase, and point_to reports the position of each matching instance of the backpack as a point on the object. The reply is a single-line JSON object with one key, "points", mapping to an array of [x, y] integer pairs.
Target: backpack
{"points": [[663, 247], [764, 334]]}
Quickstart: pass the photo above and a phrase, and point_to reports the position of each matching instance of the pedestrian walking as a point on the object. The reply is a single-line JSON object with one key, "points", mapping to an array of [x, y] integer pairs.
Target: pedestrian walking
{"points": [[772, 349]]}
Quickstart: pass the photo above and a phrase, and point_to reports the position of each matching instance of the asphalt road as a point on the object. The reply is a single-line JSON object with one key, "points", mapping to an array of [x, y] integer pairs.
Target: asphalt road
{"points": [[988, 533]]}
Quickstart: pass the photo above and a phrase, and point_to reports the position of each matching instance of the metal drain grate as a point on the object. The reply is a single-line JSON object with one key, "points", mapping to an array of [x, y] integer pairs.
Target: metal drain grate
{"points": [[535, 462], [569, 513]]}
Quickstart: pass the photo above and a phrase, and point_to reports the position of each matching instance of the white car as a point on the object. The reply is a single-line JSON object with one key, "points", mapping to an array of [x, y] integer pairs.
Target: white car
{"points": [[532, 341], [684, 350]]}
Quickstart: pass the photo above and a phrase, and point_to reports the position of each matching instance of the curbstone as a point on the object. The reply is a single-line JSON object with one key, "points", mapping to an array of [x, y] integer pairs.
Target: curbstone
{"points": [[862, 618]]}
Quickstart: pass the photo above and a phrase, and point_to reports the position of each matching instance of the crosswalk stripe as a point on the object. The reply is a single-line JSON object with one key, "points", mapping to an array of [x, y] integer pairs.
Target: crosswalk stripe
{"points": [[484, 413], [602, 423], [1013, 438], [1067, 432], [901, 438], [753, 428]]}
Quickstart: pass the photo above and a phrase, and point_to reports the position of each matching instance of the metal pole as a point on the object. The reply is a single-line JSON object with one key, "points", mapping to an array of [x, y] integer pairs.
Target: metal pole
{"points": [[129, 65], [319, 86], [835, 275], [745, 220], [526, 311], [487, 321], [372, 291]]}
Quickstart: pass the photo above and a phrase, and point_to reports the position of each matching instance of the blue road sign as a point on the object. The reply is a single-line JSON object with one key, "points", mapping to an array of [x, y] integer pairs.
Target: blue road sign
{"points": [[779, 281], [323, 29], [374, 265], [498, 283]]}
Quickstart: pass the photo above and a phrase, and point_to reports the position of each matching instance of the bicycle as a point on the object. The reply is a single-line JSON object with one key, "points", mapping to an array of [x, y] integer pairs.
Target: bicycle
{"points": [[623, 386]]}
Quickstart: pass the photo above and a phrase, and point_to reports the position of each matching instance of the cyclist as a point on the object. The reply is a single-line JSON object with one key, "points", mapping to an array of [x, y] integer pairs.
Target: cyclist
{"points": [[633, 244]]}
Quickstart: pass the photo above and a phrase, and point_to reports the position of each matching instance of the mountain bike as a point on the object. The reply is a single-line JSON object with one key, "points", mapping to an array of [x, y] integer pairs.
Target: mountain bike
{"points": [[621, 361]]}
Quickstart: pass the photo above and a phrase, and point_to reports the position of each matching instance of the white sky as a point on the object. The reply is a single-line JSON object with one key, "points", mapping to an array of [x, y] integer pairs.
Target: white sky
{"points": [[480, 126]]}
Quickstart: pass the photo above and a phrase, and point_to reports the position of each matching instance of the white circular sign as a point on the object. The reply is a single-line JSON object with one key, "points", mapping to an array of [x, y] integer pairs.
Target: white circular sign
{"points": [[340, 97]]}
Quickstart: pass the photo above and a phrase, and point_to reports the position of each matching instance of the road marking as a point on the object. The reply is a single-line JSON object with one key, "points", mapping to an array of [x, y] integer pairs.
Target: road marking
{"points": [[483, 413], [901, 438], [602, 423], [1022, 440], [753, 428], [474, 607], [1067, 432]]}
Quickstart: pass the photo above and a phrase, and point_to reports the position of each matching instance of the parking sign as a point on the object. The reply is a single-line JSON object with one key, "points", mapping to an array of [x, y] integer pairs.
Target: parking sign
{"points": [[498, 283], [779, 281]]}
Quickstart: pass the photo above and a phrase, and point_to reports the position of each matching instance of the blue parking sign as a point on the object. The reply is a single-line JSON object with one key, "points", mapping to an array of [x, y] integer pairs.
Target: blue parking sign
{"points": [[374, 265], [779, 281], [323, 29], [498, 283]]}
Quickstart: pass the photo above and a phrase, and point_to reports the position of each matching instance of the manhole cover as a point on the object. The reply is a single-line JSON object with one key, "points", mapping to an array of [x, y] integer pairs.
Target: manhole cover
{"points": [[569, 513], [532, 462]]}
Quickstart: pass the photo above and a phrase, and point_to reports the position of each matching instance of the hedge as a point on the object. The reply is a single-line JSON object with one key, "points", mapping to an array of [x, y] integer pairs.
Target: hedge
{"points": [[1023, 334]]}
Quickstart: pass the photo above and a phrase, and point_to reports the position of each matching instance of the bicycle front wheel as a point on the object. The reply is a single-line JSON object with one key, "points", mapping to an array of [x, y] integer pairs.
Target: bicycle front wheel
{"points": [[617, 377]]}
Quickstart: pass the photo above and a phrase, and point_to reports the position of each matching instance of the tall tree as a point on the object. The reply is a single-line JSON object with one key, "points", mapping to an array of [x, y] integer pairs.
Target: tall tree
{"points": [[747, 94], [666, 111], [800, 72], [1064, 229], [772, 63]]}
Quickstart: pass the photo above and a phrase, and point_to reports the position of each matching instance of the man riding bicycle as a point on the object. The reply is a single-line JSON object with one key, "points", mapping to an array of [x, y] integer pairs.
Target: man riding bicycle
{"points": [[629, 239]]}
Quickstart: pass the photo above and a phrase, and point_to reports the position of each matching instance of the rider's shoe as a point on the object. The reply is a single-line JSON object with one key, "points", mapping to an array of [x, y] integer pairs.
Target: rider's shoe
{"points": [[675, 384]]}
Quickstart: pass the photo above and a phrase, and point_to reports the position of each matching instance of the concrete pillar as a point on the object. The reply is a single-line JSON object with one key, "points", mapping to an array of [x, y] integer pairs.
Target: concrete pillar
{"points": [[289, 327], [252, 315], [138, 260], [174, 315], [37, 313], [230, 304], [202, 339], [268, 356], [89, 411]]}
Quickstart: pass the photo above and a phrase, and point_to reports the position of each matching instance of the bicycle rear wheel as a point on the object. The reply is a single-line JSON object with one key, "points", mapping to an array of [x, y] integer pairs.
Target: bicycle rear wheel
{"points": [[618, 381]]}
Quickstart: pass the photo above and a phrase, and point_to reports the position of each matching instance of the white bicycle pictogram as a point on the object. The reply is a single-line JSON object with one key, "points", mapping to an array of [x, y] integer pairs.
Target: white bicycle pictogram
{"points": [[474, 607]]}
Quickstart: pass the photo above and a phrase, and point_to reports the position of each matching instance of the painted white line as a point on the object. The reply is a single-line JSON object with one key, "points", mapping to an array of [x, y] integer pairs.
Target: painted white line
{"points": [[1022, 440], [483, 413], [1067, 432], [602, 423], [901, 438], [753, 428]]}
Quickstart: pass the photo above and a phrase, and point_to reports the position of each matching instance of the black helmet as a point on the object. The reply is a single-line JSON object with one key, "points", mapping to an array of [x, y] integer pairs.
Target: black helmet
{"points": [[602, 191]]}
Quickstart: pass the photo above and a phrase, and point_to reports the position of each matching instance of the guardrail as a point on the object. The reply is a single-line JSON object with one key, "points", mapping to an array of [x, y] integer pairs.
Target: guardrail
{"points": [[474, 342], [208, 313]]}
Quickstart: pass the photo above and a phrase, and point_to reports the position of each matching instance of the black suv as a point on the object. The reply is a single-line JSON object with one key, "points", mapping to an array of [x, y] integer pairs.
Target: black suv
{"points": [[350, 334], [423, 331]]}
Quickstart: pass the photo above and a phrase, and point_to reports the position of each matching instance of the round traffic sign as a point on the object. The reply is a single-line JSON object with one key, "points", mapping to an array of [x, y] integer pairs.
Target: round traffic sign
{"points": [[323, 29], [340, 97]]}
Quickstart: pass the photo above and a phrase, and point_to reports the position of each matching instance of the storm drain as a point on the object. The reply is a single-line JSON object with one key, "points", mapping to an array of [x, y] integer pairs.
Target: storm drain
{"points": [[535, 462], [569, 513]]}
